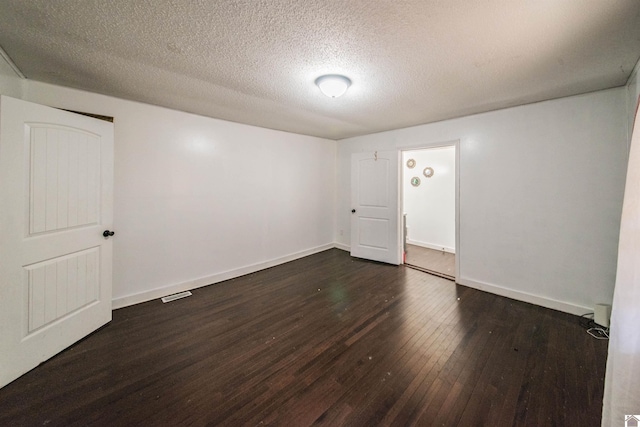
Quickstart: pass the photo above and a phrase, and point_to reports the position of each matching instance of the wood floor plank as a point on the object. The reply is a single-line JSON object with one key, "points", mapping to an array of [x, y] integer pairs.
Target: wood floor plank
{"points": [[324, 340]]}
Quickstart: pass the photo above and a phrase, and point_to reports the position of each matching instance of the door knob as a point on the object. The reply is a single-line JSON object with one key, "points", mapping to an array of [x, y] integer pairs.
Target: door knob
{"points": [[353, 211], [108, 233]]}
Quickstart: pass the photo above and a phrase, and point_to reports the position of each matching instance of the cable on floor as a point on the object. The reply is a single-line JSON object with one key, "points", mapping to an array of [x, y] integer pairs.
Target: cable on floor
{"points": [[592, 328]]}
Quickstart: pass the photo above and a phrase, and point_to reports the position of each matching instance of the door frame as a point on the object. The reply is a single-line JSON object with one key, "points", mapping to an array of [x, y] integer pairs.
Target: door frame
{"points": [[426, 146]]}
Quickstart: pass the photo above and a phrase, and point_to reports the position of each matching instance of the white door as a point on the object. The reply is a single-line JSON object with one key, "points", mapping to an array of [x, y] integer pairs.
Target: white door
{"points": [[56, 180], [374, 206]]}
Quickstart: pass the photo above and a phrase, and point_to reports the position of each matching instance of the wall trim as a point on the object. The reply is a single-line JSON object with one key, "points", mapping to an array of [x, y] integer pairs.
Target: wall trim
{"points": [[152, 294], [11, 64], [430, 246], [441, 144], [232, 274], [526, 297], [632, 76], [342, 246]]}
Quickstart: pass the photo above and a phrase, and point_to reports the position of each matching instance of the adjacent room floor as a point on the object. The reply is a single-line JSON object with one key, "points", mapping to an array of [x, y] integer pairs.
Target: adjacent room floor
{"points": [[432, 261], [326, 340]]}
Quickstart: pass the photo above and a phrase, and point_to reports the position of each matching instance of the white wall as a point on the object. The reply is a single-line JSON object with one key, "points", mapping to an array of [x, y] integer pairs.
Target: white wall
{"points": [[622, 379], [431, 206], [199, 200], [540, 196]]}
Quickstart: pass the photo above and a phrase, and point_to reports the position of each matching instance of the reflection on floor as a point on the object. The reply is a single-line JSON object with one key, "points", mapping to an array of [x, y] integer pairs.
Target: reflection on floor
{"points": [[432, 261]]}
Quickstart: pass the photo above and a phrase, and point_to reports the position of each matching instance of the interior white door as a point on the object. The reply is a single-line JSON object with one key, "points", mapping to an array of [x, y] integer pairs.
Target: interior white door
{"points": [[375, 230], [56, 192]]}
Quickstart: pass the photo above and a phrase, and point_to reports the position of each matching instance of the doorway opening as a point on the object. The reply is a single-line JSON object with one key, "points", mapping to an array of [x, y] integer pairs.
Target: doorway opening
{"points": [[429, 209]]}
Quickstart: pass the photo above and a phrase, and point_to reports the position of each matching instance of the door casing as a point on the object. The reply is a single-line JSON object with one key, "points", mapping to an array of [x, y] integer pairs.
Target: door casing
{"points": [[453, 143]]}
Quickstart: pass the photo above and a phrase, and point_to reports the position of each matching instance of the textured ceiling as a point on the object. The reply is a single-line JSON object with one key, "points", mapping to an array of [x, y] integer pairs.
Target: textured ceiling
{"points": [[255, 61]]}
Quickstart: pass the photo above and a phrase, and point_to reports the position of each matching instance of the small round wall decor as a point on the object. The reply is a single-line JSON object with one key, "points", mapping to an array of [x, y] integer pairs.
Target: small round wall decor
{"points": [[415, 181], [411, 163], [428, 172]]}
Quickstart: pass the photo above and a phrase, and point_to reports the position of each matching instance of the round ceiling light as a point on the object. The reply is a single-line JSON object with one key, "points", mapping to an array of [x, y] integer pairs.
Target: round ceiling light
{"points": [[333, 85]]}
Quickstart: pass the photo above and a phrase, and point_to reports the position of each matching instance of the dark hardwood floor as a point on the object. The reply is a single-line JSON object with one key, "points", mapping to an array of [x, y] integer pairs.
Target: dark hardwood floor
{"points": [[430, 260], [324, 340]]}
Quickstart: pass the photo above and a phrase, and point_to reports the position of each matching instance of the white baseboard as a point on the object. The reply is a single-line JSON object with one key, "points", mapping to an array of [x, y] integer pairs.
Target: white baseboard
{"points": [[231, 274], [511, 293], [342, 246], [215, 278], [526, 297], [431, 246]]}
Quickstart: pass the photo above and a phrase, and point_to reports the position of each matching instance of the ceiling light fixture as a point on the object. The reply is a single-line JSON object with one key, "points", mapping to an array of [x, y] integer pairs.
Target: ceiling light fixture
{"points": [[333, 85]]}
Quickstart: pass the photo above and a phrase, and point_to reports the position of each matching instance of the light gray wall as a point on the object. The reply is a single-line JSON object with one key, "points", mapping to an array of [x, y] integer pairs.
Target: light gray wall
{"points": [[198, 200], [541, 190]]}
